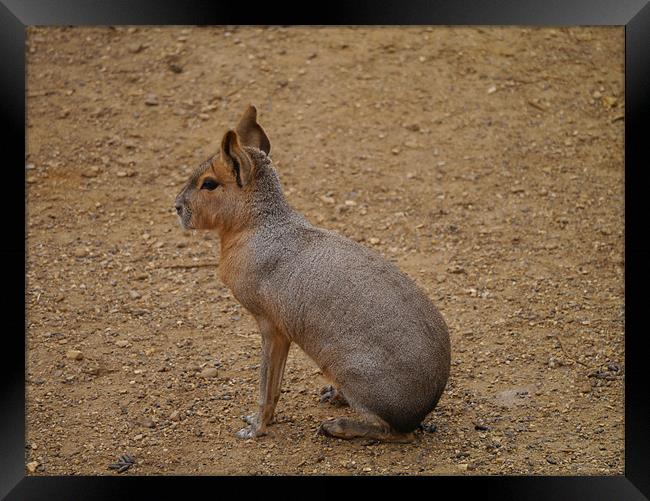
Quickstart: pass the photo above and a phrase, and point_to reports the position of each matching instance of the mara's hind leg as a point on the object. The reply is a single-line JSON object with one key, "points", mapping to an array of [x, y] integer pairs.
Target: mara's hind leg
{"points": [[374, 428], [333, 396]]}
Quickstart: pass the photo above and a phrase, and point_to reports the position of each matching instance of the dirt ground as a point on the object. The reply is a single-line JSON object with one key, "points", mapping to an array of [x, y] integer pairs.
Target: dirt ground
{"points": [[487, 163]]}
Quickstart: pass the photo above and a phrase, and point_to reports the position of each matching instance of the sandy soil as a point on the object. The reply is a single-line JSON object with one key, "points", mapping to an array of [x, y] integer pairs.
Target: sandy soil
{"points": [[486, 163]]}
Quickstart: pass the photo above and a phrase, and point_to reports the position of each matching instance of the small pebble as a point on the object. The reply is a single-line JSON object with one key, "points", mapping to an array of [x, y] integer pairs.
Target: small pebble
{"points": [[554, 362], [32, 465], [151, 100], [74, 355], [91, 172], [208, 372], [147, 422], [609, 101], [135, 48], [429, 428]]}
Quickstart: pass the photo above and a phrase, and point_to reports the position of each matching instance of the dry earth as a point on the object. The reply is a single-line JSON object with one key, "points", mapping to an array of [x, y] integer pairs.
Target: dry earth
{"points": [[487, 163]]}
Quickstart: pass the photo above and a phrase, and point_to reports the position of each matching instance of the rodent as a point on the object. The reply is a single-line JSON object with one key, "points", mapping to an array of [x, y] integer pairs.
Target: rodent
{"points": [[372, 331]]}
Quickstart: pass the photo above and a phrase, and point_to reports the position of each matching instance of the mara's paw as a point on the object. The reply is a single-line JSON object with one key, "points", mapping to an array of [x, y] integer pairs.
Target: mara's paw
{"points": [[250, 432], [331, 428], [251, 419], [332, 396], [348, 429]]}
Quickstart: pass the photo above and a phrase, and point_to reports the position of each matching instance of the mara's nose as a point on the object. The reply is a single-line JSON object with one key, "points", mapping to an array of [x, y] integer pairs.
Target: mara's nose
{"points": [[179, 208]]}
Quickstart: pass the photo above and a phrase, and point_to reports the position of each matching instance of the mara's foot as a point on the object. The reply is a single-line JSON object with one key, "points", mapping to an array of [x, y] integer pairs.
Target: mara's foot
{"points": [[251, 431], [250, 419], [332, 396], [348, 429]]}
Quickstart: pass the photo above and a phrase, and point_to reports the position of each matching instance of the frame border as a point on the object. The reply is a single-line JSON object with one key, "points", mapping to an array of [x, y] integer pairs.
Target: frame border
{"points": [[17, 15]]}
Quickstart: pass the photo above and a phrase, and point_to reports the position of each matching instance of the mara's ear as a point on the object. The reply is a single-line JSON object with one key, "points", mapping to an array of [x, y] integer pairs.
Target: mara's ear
{"points": [[233, 155], [251, 133]]}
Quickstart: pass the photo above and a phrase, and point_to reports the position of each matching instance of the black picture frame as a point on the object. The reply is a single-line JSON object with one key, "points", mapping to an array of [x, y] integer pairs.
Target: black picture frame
{"points": [[16, 15]]}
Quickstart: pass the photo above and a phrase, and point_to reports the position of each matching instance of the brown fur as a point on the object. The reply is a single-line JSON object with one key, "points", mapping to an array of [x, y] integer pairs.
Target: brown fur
{"points": [[365, 323]]}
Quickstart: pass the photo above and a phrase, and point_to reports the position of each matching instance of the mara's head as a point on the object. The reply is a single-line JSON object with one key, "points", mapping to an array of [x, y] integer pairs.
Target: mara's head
{"points": [[218, 193]]}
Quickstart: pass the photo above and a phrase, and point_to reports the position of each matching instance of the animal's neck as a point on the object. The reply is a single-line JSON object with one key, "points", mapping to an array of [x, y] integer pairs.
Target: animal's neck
{"points": [[269, 211]]}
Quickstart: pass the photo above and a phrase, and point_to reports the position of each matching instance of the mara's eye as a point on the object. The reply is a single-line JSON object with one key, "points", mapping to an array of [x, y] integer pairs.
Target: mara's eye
{"points": [[209, 184]]}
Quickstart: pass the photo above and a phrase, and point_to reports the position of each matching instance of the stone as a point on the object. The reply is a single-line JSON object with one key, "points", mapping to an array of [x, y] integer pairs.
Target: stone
{"points": [[135, 48], [74, 355], [208, 372], [147, 422]]}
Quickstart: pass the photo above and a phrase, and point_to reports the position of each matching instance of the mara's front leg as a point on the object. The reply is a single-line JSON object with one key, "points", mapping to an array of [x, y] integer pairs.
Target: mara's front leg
{"points": [[275, 347]]}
